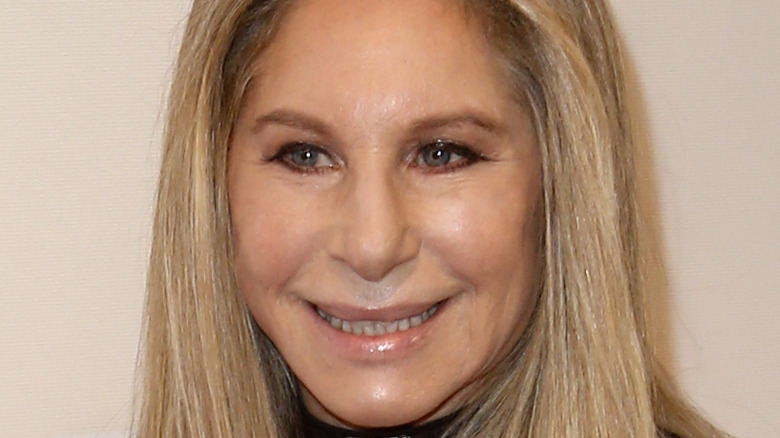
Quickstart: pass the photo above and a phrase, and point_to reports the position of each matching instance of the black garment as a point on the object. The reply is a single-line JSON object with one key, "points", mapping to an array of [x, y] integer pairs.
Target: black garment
{"points": [[314, 428]]}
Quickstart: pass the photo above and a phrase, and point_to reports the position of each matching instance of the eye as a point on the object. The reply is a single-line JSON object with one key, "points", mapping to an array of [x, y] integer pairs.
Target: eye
{"points": [[303, 157], [442, 156]]}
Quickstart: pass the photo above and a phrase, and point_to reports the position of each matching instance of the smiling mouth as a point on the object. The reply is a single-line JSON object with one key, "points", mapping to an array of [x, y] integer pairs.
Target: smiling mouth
{"points": [[378, 328]]}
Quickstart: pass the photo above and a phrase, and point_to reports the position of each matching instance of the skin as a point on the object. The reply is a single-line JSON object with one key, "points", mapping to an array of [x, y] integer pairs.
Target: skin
{"points": [[412, 179]]}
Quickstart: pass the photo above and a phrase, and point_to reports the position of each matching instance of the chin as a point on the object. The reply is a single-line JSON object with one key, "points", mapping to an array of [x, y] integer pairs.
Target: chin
{"points": [[382, 414], [379, 409]]}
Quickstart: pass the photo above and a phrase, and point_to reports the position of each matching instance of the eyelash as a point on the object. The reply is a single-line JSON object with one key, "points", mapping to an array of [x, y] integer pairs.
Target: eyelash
{"points": [[284, 157], [465, 156], [468, 156]]}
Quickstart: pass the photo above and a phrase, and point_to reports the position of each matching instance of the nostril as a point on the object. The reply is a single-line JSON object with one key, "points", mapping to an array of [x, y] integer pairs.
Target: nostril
{"points": [[373, 248], [375, 234], [373, 259]]}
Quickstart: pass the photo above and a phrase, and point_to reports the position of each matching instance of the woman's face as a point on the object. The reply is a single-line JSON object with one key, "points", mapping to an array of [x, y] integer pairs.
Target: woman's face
{"points": [[383, 184]]}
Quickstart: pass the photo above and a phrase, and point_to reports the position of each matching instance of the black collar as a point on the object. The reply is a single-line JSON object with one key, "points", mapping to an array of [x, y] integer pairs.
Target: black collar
{"points": [[315, 428]]}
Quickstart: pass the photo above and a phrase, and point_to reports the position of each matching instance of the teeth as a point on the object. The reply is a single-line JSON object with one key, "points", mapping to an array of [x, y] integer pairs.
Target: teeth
{"points": [[392, 327], [377, 328]]}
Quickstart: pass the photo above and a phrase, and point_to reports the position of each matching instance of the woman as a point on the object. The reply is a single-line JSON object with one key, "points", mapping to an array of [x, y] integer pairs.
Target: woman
{"points": [[396, 219]]}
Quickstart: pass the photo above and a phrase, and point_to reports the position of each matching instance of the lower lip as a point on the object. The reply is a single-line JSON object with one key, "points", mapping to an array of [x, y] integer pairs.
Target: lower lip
{"points": [[382, 348]]}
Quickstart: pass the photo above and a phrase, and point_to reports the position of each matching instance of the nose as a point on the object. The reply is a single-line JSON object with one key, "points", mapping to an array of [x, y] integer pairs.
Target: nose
{"points": [[375, 234]]}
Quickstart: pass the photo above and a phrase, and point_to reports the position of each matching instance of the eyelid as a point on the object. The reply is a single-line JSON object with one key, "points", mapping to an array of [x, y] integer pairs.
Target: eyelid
{"points": [[282, 156], [468, 154], [454, 146]]}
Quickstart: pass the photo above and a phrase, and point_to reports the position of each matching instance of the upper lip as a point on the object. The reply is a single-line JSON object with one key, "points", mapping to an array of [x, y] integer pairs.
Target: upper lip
{"points": [[385, 314]]}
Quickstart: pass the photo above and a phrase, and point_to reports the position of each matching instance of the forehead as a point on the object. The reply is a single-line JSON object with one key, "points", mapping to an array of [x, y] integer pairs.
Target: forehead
{"points": [[372, 24], [379, 55]]}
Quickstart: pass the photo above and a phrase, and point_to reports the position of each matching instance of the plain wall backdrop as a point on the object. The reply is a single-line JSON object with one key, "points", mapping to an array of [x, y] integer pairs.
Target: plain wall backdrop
{"points": [[82, 87]]}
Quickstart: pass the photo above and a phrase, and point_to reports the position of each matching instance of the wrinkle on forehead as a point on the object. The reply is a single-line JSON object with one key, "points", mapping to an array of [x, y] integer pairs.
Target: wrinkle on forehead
{"points": [[371, 46], [390, 111]]}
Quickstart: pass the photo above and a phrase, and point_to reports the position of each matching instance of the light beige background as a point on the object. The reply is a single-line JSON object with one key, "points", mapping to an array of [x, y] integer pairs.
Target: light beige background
{"points": [[81, 96]]}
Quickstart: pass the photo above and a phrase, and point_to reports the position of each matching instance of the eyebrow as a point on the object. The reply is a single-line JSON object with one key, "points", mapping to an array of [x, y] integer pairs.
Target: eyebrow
{"points": [[292, 119], [304, 122], [467, 117]]}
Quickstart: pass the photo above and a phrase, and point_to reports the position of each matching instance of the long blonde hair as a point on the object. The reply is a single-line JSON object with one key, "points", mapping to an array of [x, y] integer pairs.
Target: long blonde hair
{"points": [[584, 366]]}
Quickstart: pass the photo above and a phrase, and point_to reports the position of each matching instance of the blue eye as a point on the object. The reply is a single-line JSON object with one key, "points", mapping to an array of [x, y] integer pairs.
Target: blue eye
{"points": [[442, 156], [435, 157], [303, 157]]}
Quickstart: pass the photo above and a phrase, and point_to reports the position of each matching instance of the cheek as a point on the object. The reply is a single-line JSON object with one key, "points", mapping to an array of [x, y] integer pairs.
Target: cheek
{"points": [[486, 236], [488, 239], [271, 240]]}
